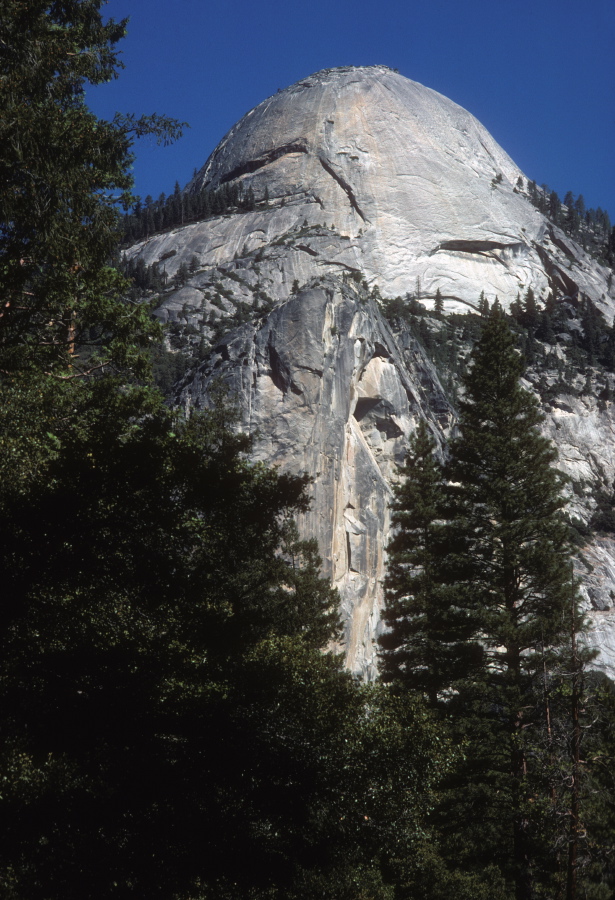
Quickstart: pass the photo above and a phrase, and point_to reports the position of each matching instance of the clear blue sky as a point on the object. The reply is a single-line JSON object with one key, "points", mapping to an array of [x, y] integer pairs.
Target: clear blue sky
{"points": [[539, 74]]}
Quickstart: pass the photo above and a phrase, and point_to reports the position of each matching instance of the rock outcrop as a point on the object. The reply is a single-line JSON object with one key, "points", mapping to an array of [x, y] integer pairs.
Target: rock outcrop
{"points": [[365, 170], [362, 177], [324, 386]]}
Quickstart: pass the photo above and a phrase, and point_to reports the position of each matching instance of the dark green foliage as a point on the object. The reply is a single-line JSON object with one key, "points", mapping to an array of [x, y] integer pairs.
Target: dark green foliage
{"points": [[185, 206], [596, 874], [529, 311], [488, 543], [60, 169], [555, 207], [483, 305], [515, 563], [171, 724], [403, 310], [509, 494], [167, 368], [545, 331], [591, 227], [144, 278], [66, 319], [427, 645], [181, 276], [140, 577], [603, 518]]}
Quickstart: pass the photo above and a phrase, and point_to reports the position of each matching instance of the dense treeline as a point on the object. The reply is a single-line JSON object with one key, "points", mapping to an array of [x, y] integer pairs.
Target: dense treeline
{"points": [[183, 207], [590, 227]]}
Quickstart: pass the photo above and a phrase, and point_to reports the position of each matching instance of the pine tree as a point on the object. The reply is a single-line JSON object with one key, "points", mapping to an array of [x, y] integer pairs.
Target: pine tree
{"points": [[426, 647], [507, 503], [579, 206], [182, 274], [65, 173], [478, 597], [483, 305], [555, 207], [250, 201], [571, 221], [530, 316], [439, 303]]}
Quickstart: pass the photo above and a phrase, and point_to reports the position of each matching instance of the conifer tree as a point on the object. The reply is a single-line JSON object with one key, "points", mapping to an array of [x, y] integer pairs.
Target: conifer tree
{"points": [[483, 305], [478, 597], [426, 646], [507, 501], [530, 316], [555, 206]]}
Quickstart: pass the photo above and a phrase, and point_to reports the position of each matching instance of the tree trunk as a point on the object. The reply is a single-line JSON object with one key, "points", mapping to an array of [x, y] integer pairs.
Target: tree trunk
{"points": [[573, 840]]}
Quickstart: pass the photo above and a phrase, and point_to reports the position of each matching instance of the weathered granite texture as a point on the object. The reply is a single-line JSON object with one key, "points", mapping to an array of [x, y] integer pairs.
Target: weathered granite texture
{"points": [[324, 386], [329, 390], [404, 181], [371, 176]]}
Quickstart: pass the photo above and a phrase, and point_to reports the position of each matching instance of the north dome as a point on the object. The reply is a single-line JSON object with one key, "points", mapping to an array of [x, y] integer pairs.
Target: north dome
{"points": [[415, 194], [361, 172], [366, 150]]}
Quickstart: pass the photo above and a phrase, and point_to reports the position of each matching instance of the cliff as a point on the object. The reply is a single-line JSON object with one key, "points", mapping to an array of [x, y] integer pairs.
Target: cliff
{"points": [[368, 185]]}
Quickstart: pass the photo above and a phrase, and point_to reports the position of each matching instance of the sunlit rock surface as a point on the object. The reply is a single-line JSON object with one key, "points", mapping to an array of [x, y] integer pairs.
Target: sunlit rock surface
{"points": [[359, 173], [324, 386], [406, 183]]}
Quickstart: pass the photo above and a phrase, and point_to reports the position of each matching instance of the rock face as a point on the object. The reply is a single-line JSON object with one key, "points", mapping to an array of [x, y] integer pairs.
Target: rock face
{"points": [[362, 175], [324, 384], [406, 183]]}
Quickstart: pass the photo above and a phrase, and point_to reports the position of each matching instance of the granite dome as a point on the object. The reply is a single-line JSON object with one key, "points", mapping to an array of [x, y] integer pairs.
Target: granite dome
{"points": [[416, 182], [361, 172]]}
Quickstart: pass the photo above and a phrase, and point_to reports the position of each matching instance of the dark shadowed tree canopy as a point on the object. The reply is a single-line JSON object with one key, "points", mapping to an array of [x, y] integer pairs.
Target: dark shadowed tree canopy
{"points": [[172, 725], [428, 642], [479, 599]]}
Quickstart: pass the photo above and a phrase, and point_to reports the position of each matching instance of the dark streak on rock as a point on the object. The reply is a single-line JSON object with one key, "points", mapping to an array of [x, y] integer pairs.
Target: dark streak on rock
{"points": [[324, 162], [349, 553], [476, 246], [561, 244], [556, 275], [280, 373], [334, 262], [265, 160]]}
